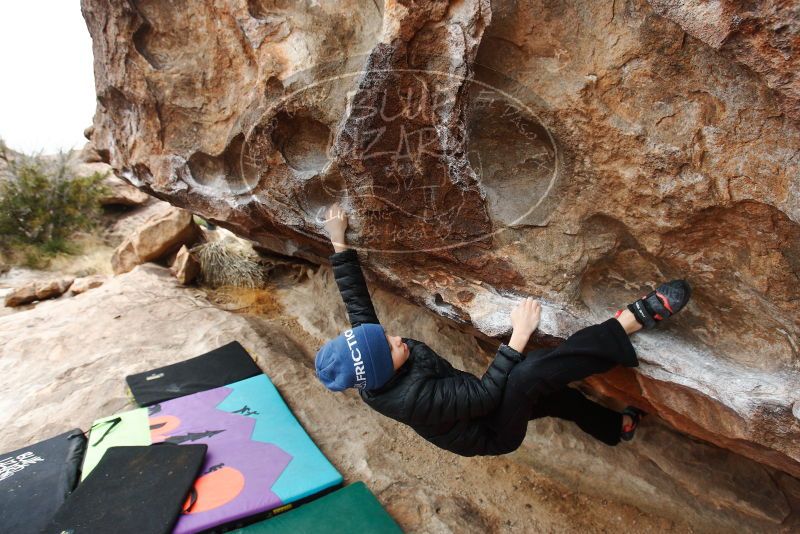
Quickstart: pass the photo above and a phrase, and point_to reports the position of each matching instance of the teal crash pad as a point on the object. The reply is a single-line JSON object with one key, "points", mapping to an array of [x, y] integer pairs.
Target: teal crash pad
{"points": [[345, 511]]}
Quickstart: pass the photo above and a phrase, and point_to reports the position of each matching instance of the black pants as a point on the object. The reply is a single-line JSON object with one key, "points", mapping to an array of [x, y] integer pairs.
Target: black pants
{"points": [[537, 387]]}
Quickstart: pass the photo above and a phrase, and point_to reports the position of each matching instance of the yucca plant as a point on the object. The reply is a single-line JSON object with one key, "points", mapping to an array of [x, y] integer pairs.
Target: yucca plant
{"points": [[229, 261]]}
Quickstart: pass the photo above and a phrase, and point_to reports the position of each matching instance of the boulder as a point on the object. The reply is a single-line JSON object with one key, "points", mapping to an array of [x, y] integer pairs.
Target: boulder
{"points": [[85, 283], [89, 154], [121, 193], [84, 168], [117, 192], [38, 290], [185, 267], [21, 296], [125, 258], [576, 151], [127, 222], [164, 232], [53, 288]]}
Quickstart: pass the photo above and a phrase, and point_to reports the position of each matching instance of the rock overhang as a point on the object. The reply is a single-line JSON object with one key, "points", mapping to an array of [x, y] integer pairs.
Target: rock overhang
{"points": [[667, 159]]}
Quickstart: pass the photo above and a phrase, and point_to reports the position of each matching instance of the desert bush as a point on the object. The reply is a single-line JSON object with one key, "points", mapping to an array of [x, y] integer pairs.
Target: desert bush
{"points": [[43, 203]]}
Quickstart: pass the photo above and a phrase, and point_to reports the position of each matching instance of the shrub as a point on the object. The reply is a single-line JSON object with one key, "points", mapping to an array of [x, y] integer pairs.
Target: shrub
{"points": [[43, 203]]}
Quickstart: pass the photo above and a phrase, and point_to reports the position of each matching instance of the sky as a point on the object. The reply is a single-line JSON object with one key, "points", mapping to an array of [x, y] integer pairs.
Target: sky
{"points": [[46, 82]]}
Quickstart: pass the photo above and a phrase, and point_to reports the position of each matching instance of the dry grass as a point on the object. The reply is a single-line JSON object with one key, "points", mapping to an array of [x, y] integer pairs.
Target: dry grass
{"points": [[261, 302], [88, 254], [94, 257]]}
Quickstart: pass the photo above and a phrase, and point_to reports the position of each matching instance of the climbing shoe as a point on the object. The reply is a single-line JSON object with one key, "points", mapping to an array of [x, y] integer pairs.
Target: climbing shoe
{"points": [[661, 304], [636, 416]]}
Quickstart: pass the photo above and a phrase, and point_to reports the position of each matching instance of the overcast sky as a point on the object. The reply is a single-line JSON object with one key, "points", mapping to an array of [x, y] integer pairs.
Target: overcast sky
{"points": [[47, 85]]}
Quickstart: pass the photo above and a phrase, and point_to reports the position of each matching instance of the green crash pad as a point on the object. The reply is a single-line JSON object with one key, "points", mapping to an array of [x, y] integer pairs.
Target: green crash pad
{"points": [[350, 509], [124, 429]]}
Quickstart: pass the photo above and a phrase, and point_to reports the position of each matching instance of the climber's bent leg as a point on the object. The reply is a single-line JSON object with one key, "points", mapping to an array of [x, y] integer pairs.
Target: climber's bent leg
{"points": [[603, 424], [590, 351]]}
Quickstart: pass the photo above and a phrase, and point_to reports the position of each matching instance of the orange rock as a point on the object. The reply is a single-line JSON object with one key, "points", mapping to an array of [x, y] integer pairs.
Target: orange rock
{"points": [[185, 267], [163, 233], [39, 290]]}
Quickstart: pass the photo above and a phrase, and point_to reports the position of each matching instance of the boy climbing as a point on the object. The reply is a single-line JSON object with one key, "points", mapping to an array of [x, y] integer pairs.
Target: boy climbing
{"points": [[407, 381]]}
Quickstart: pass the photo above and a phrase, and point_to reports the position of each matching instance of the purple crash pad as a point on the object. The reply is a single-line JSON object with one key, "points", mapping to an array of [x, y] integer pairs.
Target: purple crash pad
{"points": [[259, 458]]}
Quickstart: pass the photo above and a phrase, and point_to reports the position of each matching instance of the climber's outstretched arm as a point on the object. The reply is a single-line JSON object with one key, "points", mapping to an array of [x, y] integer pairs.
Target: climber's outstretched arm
{"points": [[347, 271]]}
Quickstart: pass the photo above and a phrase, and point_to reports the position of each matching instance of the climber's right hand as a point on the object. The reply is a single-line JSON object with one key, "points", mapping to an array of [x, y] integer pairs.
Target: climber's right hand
{"points": [[524, 321], [336, 225]]}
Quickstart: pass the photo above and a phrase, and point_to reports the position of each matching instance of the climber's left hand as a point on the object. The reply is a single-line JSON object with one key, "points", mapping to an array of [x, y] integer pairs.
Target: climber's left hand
{"points": [[524, 320], [336, 226]]}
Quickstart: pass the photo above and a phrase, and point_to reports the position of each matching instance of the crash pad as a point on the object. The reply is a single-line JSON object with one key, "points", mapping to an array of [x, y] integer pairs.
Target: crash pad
{"points": [[259, 457], [350, 509], [219, 367], [35, 480], [132, 490], [124, 429]]}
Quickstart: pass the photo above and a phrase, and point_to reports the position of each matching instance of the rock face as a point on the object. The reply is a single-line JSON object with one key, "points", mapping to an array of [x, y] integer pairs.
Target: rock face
{"points": [[763, 36], [164, 232], [576, 151]]}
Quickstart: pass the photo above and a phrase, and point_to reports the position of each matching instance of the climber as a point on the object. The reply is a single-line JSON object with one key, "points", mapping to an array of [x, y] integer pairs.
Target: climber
{"points": [[407, 381]]}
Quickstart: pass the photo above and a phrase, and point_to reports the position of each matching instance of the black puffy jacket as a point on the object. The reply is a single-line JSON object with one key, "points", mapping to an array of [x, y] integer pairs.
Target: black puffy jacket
{"points": [[442, 404]]}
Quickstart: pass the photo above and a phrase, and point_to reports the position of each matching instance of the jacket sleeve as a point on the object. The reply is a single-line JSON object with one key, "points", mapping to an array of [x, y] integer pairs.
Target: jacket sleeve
{"points": [[353, 288], [464, 396]]}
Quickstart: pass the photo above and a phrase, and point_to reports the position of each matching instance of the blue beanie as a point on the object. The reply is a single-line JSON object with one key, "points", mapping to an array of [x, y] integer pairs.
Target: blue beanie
{"points": [[359, 358]]}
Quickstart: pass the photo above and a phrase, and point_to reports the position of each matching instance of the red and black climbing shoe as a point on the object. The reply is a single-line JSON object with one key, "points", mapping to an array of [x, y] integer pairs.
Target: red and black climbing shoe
{"points": [[636, 416], [661, 304]]}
